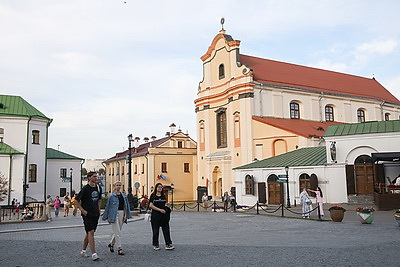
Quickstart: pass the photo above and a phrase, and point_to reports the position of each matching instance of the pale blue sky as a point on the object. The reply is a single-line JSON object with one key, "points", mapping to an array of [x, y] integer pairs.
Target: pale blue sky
{"points": [[97, 66]]}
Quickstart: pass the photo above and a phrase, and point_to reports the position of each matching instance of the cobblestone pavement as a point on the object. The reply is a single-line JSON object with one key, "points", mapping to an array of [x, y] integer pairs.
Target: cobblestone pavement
{"points": [[210, 239]]}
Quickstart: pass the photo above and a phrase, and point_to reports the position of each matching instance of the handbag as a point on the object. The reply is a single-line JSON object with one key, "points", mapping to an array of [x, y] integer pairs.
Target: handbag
{"points": [[308, 201], [147, 216]]}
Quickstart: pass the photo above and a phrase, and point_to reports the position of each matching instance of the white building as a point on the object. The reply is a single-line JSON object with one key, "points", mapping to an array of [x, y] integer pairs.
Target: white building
{"points": [[23, 142], [356, 160], [60, 168]]}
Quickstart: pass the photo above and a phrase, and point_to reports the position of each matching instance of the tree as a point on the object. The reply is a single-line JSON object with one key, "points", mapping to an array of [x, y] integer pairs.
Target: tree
{"points": [[3, 187]]}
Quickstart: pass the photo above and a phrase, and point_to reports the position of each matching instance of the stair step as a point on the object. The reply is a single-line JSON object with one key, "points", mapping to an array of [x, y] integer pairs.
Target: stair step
{"points": [[361, 199]]}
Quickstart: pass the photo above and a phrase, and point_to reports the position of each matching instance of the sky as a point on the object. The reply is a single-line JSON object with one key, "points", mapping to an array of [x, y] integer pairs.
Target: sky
{"points": [[104, 69]]}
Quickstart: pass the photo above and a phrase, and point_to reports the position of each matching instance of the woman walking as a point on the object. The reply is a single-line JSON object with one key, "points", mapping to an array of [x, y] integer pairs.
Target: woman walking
{"points": [[117, 212], [160, 215], [306, 203], [320, 200]]}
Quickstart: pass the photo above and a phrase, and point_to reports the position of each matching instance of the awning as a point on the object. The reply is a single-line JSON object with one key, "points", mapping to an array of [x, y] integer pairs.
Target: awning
{"points": [[386, 156]]}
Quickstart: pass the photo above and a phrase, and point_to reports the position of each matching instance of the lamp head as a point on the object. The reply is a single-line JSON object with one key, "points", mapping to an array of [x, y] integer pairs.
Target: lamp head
{"points": [[287, 168], [130, 138]]}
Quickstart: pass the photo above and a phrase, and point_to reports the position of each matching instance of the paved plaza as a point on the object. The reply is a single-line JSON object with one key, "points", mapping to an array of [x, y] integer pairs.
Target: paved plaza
{"points": [[210, 239]]}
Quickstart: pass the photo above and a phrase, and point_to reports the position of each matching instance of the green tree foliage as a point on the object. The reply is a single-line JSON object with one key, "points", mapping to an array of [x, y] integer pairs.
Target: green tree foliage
{"points": [[3, 187]]}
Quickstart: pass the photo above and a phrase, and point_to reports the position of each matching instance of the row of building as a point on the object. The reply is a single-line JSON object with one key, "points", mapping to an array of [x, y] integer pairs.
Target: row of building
{"points": [[257, 121]]}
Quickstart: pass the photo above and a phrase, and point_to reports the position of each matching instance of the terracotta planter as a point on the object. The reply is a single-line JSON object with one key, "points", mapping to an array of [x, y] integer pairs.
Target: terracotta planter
{"points": [[337, 215], [365, 218]]}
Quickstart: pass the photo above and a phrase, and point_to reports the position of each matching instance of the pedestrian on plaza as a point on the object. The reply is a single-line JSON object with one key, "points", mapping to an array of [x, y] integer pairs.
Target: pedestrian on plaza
{"points": [[160, 216], [306, 203], [204, 199], [232, 199], [320, 200], [117, 212], [13, 204], [57, 205], [88, 201], [225, 199], [73, 206], [67, 204], [49, 206]]}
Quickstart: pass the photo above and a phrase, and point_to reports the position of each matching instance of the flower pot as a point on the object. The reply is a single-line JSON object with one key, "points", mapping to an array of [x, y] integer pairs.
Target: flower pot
{"points": [[397, 217], [365, 218], [337, 215]]}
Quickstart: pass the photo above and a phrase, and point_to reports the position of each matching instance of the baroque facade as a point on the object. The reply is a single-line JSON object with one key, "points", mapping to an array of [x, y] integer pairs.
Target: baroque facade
{"points": [[250, 108]]}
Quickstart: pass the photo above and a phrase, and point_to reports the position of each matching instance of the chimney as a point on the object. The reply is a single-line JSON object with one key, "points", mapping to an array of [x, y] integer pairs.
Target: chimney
{"points": [[146, 139], [153, 138], [167, 134], [172, 127]]}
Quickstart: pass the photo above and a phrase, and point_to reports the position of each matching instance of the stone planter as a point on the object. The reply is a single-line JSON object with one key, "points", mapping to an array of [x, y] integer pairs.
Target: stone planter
{"points": [[337, 215], [365, 218], [397, 218]]}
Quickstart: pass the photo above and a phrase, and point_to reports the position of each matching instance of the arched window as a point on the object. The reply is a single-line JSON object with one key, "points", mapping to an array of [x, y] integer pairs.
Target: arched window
{"points": [[304, 181], [294, 110], [272, 178], [236, 128], [32, 173], [249, 181], [221, 128], [363, 159], [329, 113], [360, 115], [387, 116], [202, 137], [35, 137], [221, 71]]}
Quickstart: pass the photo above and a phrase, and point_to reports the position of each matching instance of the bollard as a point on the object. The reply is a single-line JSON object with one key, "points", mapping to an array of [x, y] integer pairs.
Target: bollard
{"points": [[198, 206], [215, 206], [257, 209], [282, 211], [184, 206]]}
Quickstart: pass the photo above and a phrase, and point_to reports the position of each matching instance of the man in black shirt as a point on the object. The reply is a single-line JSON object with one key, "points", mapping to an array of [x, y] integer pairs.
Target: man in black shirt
{"points": [[88, 201]]}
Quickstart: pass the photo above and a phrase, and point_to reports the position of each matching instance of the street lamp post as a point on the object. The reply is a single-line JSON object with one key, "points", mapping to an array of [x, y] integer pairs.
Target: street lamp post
{"points": [[130, 196], [287, 186], [172, 191], [70, 184]]}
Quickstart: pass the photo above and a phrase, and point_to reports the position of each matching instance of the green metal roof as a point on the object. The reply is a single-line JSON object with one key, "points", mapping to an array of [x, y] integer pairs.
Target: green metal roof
{"points": [[56, 154], [16, 106], [307, 156], [7, 150], [363, 128]]}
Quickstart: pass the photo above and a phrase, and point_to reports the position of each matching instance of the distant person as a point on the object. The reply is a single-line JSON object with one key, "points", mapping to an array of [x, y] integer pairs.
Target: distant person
{"points": [[160, 216], [306, 203], [88, 201], [232, 199], [49, 206], [13, 204], [57, 205], [67, 204], [73, 206], [204, 199], [320, 200], [225, 199], [117, 212], [27, 214]]}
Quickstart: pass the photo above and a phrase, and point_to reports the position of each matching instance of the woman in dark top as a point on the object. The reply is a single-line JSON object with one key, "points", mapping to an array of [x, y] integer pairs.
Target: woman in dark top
{"points": [[160, 216]]}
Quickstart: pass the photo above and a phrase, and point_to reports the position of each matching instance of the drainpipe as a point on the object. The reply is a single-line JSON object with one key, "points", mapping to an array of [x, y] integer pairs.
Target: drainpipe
{"points": [[9, 181], [24, 186], [320, 107], [381, 105], [147, 174], [105, 177], [45, 164], [80, 184]]}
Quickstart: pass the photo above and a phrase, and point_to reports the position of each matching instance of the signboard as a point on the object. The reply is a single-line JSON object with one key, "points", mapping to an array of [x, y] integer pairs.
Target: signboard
{"points": [[66, 179], [282, 176], [281, 180]]}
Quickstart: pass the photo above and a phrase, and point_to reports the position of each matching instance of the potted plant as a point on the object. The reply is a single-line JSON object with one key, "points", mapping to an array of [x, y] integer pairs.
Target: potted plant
{"points": [[397, 216], [365, 214], [337, 213]]}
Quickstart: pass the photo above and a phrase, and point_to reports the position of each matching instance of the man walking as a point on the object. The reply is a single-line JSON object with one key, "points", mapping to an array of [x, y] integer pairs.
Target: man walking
{"points": [[88, 201]]}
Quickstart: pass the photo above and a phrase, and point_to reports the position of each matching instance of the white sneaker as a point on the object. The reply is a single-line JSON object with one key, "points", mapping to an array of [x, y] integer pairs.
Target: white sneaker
{"points": [[84, 254], [169, 247], [95, 257], [156, 247]]}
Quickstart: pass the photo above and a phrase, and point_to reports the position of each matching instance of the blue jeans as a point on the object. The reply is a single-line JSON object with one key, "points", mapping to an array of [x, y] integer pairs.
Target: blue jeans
{"points": [[56, 210]]}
